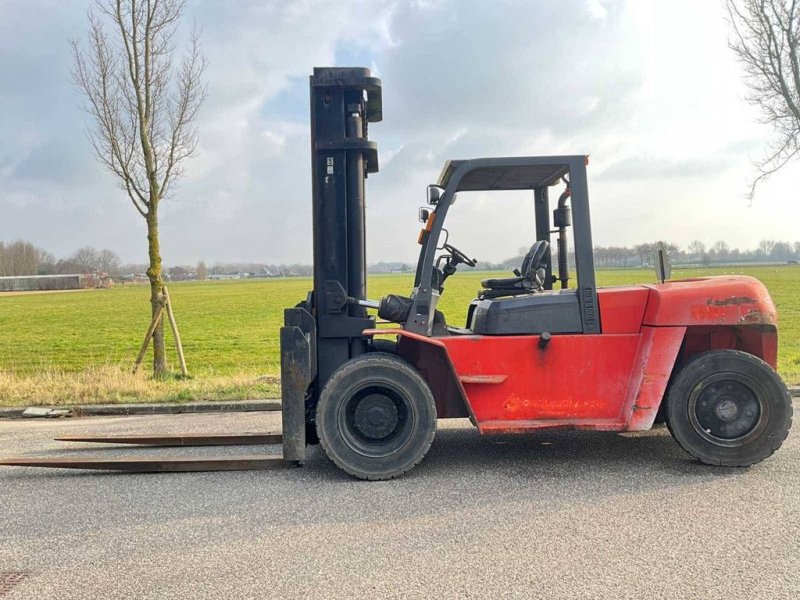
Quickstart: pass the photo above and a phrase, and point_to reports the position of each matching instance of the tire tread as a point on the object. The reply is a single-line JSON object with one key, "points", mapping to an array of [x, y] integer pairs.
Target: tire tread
{"points": [[768, 449], [389, 361]]}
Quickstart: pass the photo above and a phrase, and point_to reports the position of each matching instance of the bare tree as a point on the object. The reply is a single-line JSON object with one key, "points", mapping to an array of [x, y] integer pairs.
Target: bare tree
{"points": [[47, 263], [108, 262], [202, 271], [721, 250], [697, 249], [765, 247], [766, 39], [644, 252], [143, 108], [782, 251], [85, 258], [20, 258]]}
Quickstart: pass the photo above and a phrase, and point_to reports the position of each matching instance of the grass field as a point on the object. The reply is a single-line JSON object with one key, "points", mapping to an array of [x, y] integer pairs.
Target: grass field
{"points": [[79, 347]]}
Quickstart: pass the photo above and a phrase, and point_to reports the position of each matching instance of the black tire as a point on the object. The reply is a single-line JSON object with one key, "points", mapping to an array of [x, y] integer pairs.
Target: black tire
{"points": [[382, 345], [376, 417], [311, 426], [729, 408], [312, 439]]}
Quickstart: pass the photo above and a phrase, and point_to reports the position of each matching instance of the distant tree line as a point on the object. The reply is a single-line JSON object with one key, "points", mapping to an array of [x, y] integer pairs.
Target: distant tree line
{"points": [[697, 253], [23, 258], [202, 272]]}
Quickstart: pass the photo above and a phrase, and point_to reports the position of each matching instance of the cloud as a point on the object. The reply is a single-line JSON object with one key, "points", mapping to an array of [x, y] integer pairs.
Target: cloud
{"points": [[652, 167], [514, 68], [646, 93]]}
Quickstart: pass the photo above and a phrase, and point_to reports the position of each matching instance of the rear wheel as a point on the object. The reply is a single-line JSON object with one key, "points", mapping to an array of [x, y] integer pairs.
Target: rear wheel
{"points": [[376, 417], [729, 408]]}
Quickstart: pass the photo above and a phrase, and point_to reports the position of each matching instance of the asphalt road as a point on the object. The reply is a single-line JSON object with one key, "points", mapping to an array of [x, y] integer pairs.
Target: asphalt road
{"points": [[557, 515]]}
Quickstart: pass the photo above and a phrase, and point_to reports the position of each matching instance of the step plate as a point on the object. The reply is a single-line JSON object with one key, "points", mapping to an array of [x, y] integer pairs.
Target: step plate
{"points": [[157, 464], [179, 439]]}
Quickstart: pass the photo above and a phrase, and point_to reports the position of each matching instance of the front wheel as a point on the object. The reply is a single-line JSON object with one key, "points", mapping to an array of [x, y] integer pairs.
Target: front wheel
{"points": [[376, 417], [729, 408]]}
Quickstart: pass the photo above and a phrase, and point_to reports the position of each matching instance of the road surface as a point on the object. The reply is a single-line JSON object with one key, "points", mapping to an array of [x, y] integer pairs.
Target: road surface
{"points": [[556, 515]]}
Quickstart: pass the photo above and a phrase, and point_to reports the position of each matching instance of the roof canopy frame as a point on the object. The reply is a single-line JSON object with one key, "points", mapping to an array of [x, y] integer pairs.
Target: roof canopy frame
{"points": [[535, 173]]}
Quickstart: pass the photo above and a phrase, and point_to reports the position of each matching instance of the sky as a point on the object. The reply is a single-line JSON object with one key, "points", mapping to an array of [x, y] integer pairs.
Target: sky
{"points": [[648, 88]]}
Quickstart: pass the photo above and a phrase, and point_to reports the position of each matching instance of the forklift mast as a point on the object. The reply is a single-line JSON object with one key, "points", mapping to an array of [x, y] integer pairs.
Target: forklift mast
{"points": [[343, 102], [325, 331]]}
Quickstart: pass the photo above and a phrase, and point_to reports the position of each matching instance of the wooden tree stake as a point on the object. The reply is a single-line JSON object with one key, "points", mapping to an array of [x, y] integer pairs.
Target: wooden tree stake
{"points": [[175, 334], [148, 335]]}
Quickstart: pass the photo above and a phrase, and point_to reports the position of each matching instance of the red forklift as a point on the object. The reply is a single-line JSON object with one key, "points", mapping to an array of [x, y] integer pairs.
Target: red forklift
{"points": [[535, 352]]}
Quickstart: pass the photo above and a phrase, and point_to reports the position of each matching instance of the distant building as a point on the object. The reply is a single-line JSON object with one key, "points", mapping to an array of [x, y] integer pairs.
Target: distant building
{"points": [[228, 276], [37, 283], [135, 278], [31, 283]]}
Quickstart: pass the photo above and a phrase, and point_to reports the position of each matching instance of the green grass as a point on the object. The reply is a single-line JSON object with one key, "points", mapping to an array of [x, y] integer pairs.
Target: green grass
{"points": [[230, 329]]}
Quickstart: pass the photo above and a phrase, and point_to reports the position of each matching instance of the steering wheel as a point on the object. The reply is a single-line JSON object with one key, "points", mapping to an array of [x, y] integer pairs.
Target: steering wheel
{"points": [[460, 256]]}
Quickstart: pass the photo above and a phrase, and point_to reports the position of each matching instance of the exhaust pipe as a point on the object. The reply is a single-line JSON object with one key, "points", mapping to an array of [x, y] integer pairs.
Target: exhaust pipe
{"points": [[562, 219]]}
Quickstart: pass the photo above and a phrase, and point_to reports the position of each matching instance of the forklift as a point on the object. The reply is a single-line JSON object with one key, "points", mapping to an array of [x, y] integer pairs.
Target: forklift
{"points": [[699, 353]]}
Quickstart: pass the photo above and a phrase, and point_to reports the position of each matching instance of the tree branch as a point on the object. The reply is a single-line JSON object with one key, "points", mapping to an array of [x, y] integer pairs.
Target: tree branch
{"points": [[765, 41], [143, 126]]}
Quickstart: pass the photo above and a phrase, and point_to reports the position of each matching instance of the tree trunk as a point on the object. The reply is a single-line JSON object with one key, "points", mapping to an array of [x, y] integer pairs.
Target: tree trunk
{"points": [[156, 291]]}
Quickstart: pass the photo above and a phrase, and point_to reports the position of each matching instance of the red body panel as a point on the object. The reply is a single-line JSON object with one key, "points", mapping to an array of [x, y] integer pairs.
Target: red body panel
{"points": [[615, 380], [655, 360], [576, 377], [510, 385], [622, 308], [735, 300]]}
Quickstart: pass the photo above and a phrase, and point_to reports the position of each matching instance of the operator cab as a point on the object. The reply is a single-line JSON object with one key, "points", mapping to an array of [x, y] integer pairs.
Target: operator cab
{"points": [[526, 303]]}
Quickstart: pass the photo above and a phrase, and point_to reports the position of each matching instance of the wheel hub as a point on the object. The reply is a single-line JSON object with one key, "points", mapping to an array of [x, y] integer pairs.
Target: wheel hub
{"points": [[726, 410], [376, 416]]}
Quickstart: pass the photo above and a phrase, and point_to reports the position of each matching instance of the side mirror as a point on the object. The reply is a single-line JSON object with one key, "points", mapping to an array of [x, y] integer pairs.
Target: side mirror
{"points": [[434, 193], [424, 214]]}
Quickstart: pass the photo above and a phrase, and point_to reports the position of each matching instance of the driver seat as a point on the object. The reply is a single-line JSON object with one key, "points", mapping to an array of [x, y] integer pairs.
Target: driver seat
{"points": [[530, 276]]}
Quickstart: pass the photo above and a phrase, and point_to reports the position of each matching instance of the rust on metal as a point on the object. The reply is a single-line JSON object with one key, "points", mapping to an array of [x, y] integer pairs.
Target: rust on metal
{"points": [[156, 464], [10, 579], [731, 301], [525, 426], [179, 439], [482, 378], [756, 316]]}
